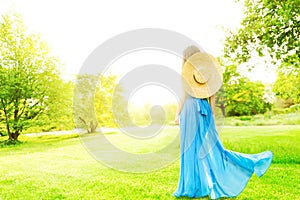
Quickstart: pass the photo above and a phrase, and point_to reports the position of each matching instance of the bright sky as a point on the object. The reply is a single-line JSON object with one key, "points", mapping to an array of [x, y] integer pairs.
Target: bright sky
{"points": [[75, 28]]}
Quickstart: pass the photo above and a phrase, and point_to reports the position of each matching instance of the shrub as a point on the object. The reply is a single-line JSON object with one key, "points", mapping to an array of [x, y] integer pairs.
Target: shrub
{"points": [[245, 118]]}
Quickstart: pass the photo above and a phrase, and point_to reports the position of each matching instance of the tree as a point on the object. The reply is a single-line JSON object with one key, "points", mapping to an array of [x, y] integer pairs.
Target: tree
{"points": [[59, 115], [109, 102], [93, 101], [287, 86], [29, 78], [240, 96], [245, 98], [84, 110], [229, 75], [270, 28], [170, 111], [221, 100]]}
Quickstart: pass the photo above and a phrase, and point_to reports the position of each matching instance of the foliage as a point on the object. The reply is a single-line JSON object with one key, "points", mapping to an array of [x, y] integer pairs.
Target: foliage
{"points": [[287, 86], [245, 98], [30, 85], [280, 103], [268, 25], [93, 97], [271, 28], [141, 116], [110, 104], [229, 75], [84, 111], [170, 110], [60, 115], [239, 96]]}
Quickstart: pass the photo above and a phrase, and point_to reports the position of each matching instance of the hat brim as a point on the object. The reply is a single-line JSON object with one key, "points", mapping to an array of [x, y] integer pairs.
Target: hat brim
{"points": [[201, 63]]}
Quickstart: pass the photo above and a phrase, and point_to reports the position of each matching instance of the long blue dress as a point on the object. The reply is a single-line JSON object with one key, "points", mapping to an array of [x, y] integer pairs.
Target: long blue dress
{"points": [[206, 167]]}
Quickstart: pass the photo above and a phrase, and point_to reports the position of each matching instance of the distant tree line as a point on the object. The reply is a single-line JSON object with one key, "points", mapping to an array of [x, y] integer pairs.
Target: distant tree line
{"points": [[33, 96]]}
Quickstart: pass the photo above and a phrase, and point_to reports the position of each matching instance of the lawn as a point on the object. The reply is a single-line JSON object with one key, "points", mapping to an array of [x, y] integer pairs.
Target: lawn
{"points": [[263, 119], [59, 167]]}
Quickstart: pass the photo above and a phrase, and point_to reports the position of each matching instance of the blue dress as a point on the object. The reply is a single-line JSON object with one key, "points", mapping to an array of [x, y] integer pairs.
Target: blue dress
{"points": [[206, 167]]}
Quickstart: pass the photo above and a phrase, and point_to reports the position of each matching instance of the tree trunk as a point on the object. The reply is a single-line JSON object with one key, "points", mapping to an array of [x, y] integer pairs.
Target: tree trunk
{"points": [[86, 126], [93, 126], [223, 110], [13, 136]]}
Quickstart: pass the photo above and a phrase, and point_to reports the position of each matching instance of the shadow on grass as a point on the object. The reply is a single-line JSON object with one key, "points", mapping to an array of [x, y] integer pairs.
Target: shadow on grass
{"points": [[35, 141], [45, 141], [10, 143]]}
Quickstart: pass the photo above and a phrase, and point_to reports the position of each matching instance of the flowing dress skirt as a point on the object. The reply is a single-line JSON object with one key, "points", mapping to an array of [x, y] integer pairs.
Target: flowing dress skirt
{"points": [[206, 167]]}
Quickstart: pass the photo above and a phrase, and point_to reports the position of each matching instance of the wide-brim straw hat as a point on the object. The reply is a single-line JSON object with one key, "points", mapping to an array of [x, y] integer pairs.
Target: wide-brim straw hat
{"points": [[201, 75]]}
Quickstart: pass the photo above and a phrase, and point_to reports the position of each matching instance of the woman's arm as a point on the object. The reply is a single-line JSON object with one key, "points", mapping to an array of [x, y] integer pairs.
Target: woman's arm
{"points": [[212, 104], [178, 110]]}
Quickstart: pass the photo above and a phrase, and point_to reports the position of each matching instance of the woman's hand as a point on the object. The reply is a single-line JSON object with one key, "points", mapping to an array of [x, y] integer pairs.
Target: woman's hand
{"points": [[176, 120]]}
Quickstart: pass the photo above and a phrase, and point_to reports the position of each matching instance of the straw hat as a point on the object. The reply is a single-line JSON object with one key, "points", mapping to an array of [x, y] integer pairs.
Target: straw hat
{"points": [[201, 75]]}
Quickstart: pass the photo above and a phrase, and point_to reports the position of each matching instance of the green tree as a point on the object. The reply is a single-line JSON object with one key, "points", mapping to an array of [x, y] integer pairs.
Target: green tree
{"points": [[240, 96], [84, 96], [59, 115], [93, 101], [29, 78], [109, 101], [140, 115], [221, 100], [287, 86], [271, 28], [170, 110], [245, 98], [229, 75]]}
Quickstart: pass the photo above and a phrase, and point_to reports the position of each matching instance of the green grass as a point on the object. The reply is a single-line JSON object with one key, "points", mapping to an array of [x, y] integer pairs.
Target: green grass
{"points": [[262, 120], [59, 167]]}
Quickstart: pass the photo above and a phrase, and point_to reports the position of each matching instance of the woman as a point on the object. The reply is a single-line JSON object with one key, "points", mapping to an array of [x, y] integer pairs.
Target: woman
{"points": [[206, 167]]}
